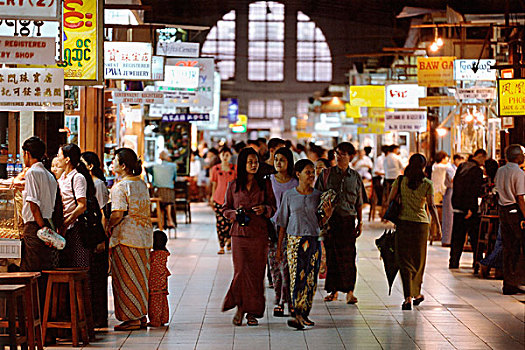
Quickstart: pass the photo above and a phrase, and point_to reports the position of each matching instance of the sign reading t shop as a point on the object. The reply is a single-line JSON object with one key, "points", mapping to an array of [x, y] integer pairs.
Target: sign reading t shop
{"points": [[511, 97], [435, 71]]}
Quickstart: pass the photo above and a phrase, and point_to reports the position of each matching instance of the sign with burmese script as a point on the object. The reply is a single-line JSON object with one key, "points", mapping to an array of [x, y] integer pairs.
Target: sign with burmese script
{"points": [[32, 89], [27, 50], [435, 71], [185, 117], [463, 70], [137, 97], [126, 60], [406, 121], [41, 10], [511, 97], [404, 95]]}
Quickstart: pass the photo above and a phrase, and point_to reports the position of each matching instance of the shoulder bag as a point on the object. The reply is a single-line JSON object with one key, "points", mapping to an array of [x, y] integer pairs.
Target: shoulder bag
{"points": [[394, 208]]}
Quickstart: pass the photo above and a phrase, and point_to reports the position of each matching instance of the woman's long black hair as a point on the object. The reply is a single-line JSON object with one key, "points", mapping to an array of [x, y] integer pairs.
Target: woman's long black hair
{"points": [[91, 158], [415, 170], [73, 152], [289, 158], [242, 174]]}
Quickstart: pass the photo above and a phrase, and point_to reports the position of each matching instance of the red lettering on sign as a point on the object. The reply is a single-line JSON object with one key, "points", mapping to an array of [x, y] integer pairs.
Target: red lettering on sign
{"points": [[40, 3]]}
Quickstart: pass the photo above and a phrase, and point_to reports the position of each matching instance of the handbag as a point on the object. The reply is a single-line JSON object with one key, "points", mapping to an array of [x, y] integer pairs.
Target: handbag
{"points": [[272, 232], [49, 236], [89, 223], [394, 208]]}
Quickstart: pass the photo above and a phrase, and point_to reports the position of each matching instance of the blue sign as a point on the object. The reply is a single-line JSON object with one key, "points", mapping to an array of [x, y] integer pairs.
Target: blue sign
{"points": [[233, 110], [185, 117]]}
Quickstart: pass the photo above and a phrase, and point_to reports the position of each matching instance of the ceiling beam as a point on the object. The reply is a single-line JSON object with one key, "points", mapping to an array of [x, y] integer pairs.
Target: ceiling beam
{"points": [[155, 26], [127, 7]]}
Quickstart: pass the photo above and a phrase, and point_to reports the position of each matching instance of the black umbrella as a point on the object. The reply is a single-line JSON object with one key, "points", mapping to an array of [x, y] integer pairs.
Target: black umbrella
{"points": [[386, 244]]}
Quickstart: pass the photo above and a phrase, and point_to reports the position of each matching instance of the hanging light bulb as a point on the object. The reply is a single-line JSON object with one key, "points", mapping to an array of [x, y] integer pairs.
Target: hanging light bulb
{"points": [[439, 42], [441, 132], [434, 47], [469, 117]]}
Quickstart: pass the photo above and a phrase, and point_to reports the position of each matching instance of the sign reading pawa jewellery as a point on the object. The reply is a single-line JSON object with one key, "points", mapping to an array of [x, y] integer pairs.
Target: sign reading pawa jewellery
{"points": [[511, 97], [32, 89], [435, 71], [42, 10], [126, 60], [27, 50], [406, 121]]}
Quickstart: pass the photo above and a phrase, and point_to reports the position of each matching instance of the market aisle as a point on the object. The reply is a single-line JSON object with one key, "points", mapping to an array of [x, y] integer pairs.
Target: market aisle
{"points": [[460, 311]]}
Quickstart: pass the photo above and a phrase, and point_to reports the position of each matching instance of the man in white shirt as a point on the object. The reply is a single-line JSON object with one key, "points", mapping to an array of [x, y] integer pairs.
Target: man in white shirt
{"points": [[510, 185], [393, 167], [39, 197]]}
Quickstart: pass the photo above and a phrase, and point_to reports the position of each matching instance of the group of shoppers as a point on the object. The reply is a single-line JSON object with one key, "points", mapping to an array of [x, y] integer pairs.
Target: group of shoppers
{"points": [[57, 198]]}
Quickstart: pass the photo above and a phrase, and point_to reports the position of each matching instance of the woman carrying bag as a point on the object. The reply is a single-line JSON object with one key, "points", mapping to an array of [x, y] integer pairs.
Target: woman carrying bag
{"points": [[412, 227]]}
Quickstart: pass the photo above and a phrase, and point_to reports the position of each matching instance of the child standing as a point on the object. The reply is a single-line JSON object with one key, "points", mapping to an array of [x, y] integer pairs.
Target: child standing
{"points": [[158, 308]]}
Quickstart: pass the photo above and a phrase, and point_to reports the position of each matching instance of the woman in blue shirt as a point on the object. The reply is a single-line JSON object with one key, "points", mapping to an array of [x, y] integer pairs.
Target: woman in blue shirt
{"points": [[297, 218]]}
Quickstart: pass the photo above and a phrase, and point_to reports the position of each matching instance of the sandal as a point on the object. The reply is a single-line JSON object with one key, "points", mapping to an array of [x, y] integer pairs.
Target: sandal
{"points": [[352, 300], [228, 244], [278, 311], [252, 321], [237, 319], [331, 297], [221, 251], [127, 326], [418, 300], [294, 323], [308, 322]]}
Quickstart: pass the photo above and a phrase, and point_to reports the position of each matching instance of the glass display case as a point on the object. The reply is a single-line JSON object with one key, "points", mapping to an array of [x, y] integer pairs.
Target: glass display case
{"points": [[10, 225]]}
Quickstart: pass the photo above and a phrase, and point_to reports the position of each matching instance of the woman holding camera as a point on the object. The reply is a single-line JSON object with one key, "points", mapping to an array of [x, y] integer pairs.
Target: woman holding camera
{"points": [[250, 203]]}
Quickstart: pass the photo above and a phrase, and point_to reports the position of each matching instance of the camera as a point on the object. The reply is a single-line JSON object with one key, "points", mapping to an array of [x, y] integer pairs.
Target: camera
{"points": [[241, 217]]}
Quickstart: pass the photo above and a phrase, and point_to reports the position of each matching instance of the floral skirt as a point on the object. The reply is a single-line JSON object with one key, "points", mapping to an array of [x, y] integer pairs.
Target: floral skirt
{"points": [[223, 225], [304, 257]]}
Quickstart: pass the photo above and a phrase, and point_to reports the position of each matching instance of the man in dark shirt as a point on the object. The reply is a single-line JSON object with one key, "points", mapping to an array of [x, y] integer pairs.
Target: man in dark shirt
{"points": [[266, 168], [466, 191]]}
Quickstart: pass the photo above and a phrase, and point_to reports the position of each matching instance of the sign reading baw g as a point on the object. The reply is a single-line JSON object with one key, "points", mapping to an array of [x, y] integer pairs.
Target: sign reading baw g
{"points": [[435, 71]]}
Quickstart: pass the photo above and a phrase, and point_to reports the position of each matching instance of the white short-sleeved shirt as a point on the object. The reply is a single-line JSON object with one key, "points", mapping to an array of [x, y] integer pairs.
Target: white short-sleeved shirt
{"points": [[510, 183], [101, 192], [41, 189], [80, 186]]}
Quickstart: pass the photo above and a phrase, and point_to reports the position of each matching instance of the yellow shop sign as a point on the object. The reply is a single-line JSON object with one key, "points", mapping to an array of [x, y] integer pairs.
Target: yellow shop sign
{"points": [[511, 97], [435, 71]]}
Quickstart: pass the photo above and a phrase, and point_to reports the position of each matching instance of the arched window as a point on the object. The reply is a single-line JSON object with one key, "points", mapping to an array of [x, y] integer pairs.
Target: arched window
{"points": [[220, 43], [314, 61]]}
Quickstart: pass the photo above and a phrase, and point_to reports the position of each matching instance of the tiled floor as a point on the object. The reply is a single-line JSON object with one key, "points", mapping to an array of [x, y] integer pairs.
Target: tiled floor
{"points": [[460, 311]]}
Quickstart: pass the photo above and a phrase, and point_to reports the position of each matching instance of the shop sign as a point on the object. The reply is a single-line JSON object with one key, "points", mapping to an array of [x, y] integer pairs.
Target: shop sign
{"points": [[29, 28], [177, 49], [126, 60], [372, 128], [404, 95], [26, 50], [41, 10], [157, 68], [181, 77], [437, 101], [507, 122], [477, 93], [241, 126], [463, 70], [435, 71], [511, 97], [406, 121], [32, 89], [367, 96], [185, 117], [137, 97]]}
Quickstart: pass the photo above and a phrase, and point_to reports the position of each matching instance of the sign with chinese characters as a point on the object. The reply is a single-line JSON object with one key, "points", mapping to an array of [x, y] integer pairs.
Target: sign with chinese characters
{"points": [[137, 97], [178, 49], [406, 121], [477, 93], [126, 60], [26, 50], [435, 71], [181, 77], [42, 10], [463, 70], [511, 97], [367, 96], [185, 117], [404, 95], [437, 101], [157, 68], [32, 89]]}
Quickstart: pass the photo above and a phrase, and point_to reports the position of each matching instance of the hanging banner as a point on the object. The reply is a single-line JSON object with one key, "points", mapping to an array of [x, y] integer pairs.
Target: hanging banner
{"points": [[157, 68], [367, 96], [27, 50], [185, 117], [127, 60], [437, 101], [41, 10], [32, 89], [406, 121], [137, 97], [371, 128], [511, 97], [435, 71], [476, 93], [404, 95], [463, 70], [177, 49]]}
